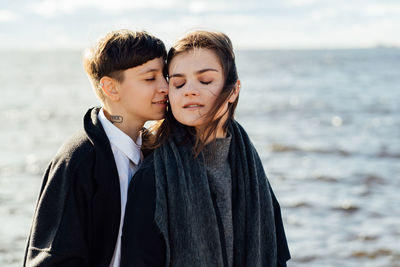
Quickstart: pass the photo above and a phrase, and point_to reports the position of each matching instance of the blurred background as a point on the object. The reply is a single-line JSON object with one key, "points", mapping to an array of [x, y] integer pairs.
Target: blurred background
{"points": [[320, 100]]}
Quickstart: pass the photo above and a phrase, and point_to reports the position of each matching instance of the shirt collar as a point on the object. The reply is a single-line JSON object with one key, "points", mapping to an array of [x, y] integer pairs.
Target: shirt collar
{"points": [[121, 140]]}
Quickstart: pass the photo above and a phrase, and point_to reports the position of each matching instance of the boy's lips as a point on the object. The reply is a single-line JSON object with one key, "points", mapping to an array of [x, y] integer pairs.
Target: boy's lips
{"points": [[163, 102]]}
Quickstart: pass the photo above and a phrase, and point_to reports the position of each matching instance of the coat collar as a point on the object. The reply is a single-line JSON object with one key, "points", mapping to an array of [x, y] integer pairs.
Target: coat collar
{"points": [[106, 201]]}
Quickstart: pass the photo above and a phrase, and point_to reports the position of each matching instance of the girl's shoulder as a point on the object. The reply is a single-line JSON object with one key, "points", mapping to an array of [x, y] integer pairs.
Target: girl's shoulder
{"points": [[144, 177]]}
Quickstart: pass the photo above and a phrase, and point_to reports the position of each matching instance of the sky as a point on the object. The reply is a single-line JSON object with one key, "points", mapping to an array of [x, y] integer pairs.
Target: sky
{"points": [[251, 24]]}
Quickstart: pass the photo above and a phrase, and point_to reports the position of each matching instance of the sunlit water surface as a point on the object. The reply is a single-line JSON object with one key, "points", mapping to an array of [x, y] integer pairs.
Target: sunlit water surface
{"points": [[326, 124]]}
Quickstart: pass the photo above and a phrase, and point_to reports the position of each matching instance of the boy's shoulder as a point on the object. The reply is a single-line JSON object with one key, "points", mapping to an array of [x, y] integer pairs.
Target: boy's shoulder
{"points": [[148, 162], [73, 162], [75, 149], [85, 156], [84, 144]]}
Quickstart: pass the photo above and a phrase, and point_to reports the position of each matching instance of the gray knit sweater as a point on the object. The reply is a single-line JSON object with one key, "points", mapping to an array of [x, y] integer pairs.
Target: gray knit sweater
{"points": [[219, 177], [185, 209]]}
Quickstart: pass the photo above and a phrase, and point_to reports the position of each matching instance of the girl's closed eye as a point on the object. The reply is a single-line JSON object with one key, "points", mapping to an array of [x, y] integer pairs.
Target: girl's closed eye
{"points": [[179, 85], [150, 79], [205, 79], [205, 82], [177, 82]]}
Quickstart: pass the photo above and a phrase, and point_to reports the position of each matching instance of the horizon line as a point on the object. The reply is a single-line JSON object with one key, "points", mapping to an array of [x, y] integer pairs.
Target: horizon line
{"points": [[239, 48]]}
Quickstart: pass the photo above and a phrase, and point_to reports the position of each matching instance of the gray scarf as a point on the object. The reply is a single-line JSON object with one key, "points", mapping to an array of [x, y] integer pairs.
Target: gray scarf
{"points": [[185, 212]]}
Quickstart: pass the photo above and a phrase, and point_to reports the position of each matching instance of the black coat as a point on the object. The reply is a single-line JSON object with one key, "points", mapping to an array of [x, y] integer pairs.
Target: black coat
{"points": [[77, 216], [143, 244]]}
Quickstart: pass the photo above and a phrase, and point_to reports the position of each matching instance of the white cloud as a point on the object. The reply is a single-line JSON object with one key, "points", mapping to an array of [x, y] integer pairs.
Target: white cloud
{"points": [[49, 8], [8, 15], [209, 6], [324, 13], [255, 23], [299, 3], [382, 9]]}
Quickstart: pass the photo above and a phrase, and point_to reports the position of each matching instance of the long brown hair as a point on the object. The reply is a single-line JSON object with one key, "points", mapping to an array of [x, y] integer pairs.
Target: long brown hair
{"points": [[221, 45]]}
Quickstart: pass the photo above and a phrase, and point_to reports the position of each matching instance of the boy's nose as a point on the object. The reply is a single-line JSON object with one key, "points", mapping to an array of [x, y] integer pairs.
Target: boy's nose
{"points": [[163, 87]]}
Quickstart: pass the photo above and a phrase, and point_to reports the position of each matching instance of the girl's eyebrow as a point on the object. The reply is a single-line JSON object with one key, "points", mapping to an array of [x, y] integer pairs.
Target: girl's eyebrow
{"points": [[205, 70], [176, 75], [197, 72]]}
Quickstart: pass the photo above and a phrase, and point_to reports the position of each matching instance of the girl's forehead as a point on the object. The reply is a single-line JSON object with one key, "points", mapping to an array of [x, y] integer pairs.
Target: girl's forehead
{"points": [[198, 58]]}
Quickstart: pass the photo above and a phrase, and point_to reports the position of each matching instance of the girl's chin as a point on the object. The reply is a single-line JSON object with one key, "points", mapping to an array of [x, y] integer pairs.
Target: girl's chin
{"points": [[192, 123]]}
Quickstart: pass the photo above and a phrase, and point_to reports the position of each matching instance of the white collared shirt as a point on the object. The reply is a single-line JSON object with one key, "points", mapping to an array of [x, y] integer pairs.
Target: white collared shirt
{"points": [[128, 156]]}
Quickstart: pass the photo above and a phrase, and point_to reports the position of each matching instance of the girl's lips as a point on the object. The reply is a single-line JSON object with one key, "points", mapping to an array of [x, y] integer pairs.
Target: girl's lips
{"points": [[193, 105]]}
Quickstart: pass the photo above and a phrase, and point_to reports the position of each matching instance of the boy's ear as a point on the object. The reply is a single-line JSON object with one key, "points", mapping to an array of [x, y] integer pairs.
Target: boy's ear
{"points": [[109, 87], [235, 93]]}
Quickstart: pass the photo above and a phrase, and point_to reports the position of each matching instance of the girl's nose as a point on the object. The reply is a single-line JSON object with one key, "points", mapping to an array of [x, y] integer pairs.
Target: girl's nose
{"points": [[190, 89]]}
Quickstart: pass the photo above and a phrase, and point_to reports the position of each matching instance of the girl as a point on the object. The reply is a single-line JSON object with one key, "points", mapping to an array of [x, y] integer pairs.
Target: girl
{"points": [[202, 198]]}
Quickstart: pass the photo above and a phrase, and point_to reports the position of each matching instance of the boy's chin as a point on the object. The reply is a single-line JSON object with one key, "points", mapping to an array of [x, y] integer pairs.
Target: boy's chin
{"points": [[158, 117]]}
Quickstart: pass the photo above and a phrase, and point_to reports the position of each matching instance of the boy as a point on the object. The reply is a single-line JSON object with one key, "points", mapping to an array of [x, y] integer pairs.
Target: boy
{"points": [[80, 210]]}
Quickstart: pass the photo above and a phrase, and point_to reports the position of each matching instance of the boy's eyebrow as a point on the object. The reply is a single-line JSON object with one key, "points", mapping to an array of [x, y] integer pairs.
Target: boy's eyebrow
{"points": [[197, 72], [149, 70]]}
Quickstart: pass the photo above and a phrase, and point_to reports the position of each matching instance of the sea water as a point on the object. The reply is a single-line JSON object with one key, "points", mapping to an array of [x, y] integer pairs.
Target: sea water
{"points": [[326, 124]]}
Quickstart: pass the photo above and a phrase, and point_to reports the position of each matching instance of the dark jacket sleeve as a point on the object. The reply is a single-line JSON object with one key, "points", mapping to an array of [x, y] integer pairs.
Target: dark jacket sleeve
{"points": [[142, 243], [59, 235], [282, 246]]}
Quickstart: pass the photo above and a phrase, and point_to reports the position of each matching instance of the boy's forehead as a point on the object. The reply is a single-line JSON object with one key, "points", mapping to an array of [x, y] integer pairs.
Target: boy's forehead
{"points": [[154, 65]]}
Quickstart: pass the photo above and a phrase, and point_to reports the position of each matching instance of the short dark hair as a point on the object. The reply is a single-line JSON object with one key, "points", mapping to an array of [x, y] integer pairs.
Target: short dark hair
{"points": [[120, 50]]}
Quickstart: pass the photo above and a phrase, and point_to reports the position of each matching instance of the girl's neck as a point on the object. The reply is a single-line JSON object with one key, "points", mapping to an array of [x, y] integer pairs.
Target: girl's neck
{"points": [[219, 133]]}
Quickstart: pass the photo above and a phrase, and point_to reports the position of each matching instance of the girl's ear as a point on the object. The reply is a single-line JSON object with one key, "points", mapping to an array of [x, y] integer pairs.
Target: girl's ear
{"points": [[109, 86], [235, 93]]}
